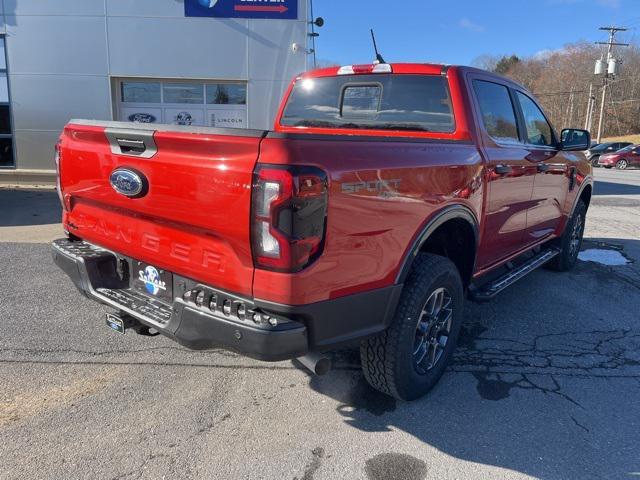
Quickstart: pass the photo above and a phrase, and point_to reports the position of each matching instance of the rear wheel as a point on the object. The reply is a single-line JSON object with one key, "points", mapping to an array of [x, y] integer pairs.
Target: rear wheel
{"points": [[408, 359], [571, 240], [622, 164]]}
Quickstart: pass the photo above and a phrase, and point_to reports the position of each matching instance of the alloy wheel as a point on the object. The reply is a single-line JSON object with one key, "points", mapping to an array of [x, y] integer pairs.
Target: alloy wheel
{"points": [[622, 164], [432, 331], [576, 236]]}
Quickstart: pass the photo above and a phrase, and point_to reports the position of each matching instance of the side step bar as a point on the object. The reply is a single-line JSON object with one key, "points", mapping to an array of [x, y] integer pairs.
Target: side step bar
{"points": [[489, 290]]}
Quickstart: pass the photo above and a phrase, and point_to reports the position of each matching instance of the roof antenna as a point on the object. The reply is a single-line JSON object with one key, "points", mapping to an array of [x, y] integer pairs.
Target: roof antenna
{"points": [[379, 58]]}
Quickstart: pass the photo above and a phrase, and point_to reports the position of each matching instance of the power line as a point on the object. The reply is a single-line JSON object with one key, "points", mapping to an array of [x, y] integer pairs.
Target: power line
{"points": [[627, 101], [551, 94]]}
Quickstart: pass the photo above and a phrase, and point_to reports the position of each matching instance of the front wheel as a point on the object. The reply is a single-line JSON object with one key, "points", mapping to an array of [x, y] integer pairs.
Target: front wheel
{"points": [[622, 164], [594, 162], [407, 360], [571, 240]]}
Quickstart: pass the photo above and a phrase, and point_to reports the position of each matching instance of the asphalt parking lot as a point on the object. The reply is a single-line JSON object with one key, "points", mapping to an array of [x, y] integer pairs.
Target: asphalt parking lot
{"points": [[545, 384]]}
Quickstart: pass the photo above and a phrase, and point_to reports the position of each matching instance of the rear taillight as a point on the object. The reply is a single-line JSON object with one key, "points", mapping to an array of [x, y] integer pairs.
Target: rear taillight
{"points": [[289, 211], [58, 173]]}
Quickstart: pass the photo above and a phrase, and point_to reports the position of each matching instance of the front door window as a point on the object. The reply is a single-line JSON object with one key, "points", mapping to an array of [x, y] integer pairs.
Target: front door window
{"points": [[539, 131]]}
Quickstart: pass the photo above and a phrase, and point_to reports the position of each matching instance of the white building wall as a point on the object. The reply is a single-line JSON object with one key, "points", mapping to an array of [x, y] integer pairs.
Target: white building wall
{"points": [[63, 55]]}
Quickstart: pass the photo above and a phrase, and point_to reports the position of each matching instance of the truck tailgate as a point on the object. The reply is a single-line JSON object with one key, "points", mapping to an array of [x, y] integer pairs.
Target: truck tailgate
{"points": [[192, 217]]}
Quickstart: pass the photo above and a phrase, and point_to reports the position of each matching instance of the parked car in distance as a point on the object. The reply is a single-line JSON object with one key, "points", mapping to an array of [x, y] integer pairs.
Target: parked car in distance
{"points": [[384, 195], [594, 153], [622, 159]]}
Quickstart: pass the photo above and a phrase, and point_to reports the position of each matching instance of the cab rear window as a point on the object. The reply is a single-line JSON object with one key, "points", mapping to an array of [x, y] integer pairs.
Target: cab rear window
{"points": [[374, 102]]}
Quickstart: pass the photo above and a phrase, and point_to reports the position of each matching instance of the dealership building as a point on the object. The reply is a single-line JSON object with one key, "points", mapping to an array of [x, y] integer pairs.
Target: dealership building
{"points": [[221, 63]]}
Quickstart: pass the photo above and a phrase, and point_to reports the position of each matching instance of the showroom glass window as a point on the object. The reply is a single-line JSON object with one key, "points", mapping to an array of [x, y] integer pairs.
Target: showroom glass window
{"points": [[6, 136], [183, 102]]}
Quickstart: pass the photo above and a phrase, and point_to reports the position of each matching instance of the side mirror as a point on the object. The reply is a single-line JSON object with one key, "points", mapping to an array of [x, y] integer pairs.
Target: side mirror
{"points": [[574, 140]]}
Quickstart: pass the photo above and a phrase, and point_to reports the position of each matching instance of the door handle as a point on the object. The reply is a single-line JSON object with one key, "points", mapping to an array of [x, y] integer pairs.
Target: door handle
{"points": [[543, 167], [131, 147], [503, 169]]}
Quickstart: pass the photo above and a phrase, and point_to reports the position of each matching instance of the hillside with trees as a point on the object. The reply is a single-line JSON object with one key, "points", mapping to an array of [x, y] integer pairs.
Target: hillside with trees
{"points": [[560, 80]]}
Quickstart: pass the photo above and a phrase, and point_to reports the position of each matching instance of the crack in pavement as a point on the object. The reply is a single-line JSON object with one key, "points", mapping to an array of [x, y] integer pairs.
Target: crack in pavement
{"points": [[497, 386], [499, 364], [596, 351], [578, 424]]}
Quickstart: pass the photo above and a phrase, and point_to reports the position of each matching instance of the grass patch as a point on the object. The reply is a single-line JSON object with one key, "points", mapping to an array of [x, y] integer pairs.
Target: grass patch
{"points": [[625, 138]]}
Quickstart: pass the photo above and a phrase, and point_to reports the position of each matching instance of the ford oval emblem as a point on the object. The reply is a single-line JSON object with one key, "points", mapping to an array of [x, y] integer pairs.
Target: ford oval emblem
{"points": [[128, 182], [142, 118]]}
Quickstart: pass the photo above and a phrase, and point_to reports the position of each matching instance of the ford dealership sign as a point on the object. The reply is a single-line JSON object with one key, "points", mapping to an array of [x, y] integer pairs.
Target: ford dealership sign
{"points": [[274, 9]]}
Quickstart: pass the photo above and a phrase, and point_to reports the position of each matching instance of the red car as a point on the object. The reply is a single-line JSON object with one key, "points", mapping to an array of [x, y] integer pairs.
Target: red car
{"points": [[622, 159], [383, 196]]}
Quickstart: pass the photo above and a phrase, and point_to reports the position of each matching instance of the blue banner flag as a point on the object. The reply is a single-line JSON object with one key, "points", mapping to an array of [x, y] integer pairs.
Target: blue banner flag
{"points": [[273, 9]]}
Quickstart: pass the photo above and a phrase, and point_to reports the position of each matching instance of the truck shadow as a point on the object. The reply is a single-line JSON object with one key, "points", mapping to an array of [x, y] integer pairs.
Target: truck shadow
{"points": [[527, 385], [611, 188], [22, 207]]}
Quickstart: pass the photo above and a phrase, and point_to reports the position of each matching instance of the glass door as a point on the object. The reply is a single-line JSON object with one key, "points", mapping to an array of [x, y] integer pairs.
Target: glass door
{"points": [[6, 133]]}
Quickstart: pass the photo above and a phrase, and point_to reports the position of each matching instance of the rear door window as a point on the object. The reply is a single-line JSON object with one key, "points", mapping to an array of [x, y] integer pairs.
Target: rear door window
{"points": [[377, 102], [496, 108]]}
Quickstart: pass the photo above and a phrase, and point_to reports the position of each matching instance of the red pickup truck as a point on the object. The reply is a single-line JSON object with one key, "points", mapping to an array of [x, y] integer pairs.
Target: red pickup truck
{"points": [[384, 195]]}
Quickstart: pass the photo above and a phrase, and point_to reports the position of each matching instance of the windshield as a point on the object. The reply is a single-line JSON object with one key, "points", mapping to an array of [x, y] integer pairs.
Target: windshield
{"points": [[380, 102], [626, 149]]}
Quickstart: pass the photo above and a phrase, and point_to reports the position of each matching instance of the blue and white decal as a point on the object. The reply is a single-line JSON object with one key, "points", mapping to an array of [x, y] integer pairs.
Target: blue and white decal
{"points": [[272, 9], [151, 278]]}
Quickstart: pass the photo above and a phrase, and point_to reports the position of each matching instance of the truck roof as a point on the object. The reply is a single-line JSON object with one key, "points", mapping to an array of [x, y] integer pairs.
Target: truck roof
{"points": [[403, 69], [400, 68]]}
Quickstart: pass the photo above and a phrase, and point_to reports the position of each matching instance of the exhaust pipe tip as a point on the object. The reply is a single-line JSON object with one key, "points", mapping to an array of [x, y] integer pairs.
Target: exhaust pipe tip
{"points": [[317, 364]]}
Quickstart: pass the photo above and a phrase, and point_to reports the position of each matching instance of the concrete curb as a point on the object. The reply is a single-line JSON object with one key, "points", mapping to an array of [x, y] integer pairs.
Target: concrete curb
{"points": [[23, 178]]}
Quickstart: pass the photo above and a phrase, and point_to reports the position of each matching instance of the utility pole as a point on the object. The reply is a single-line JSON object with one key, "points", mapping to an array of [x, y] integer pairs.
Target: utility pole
{"points": [[587, 119], [570, 108], [593, 107], [610, 70]]}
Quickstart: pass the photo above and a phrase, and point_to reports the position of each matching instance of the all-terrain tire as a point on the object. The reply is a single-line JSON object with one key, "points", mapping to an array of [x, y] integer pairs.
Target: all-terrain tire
{"points": [[388, 358], [571, 240]]}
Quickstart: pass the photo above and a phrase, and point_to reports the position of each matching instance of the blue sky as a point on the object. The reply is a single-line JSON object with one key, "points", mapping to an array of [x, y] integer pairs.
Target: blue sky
{"points": [[458, 31]]}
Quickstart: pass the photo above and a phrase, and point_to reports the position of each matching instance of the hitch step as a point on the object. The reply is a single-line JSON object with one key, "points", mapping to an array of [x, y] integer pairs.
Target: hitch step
{"points": [[489, 290]]}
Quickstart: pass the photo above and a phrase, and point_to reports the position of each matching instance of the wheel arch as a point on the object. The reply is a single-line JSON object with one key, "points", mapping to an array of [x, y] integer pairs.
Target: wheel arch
{"points": [[453, 216], [584, 195]]}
